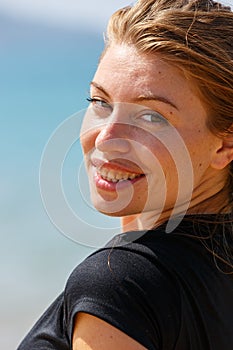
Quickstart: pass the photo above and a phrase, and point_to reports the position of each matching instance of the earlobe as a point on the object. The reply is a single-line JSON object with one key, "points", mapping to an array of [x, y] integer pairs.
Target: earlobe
{"points": [[223, 155]]}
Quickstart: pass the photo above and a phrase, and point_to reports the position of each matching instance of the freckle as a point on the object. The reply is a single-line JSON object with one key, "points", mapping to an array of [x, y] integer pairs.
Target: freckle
{"points": [[200, 165], [159, 72], [171, 113], [199, 130]]}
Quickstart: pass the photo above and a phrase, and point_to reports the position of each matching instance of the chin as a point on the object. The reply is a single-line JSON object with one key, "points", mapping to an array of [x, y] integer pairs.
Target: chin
{"points": [[114, 215], [113, 209]]}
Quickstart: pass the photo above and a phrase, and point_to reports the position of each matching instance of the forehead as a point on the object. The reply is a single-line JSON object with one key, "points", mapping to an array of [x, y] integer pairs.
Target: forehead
{"points": [[124, 72]]}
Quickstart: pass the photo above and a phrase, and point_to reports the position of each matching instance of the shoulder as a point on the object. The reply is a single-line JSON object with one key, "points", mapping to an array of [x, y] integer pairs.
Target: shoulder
{"points": [[128, 287], [149, 287], [91, 332], [151, 261], [116, 266], [148, 265]]}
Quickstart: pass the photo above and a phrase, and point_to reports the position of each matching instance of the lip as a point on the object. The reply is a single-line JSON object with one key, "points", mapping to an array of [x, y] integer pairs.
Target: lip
{"points": [[120, 165], [110, 186]]}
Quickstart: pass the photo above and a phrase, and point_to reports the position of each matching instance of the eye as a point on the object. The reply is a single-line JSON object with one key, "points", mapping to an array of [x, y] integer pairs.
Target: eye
{"points": [[153, 117], [98, 103]]}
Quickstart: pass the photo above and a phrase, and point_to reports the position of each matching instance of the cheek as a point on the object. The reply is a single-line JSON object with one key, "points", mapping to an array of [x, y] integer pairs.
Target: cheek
{"points": [[202, 146], [87, 141], [173, 156], [154, 153], [163, 168], [200, 150]]}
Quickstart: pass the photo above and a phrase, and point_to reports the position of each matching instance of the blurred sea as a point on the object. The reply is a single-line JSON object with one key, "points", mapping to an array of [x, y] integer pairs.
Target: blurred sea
{"points": [[44, 78]]}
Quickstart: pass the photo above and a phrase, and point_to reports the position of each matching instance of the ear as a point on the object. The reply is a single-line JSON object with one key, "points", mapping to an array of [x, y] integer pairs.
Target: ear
{"points": [[223, 155]]}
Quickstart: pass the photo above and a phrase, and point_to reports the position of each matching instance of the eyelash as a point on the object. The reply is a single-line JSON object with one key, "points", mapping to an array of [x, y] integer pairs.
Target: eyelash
{"points": [[158, 116], [96, 100]]}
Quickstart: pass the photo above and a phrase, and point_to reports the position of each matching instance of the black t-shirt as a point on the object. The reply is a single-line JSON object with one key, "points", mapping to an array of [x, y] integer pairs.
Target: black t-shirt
{"points": [[164, 290]]}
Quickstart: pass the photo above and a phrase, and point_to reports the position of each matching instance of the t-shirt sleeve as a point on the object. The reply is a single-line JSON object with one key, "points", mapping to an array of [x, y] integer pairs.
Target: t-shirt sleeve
{"points": [[131, 291]]}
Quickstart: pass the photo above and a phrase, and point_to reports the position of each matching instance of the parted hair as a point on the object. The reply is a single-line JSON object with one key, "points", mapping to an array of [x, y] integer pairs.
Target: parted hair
{"points": [[197, 37]]}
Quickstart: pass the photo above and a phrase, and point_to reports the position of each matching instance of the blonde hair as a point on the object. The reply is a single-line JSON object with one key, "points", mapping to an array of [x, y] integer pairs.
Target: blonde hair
{"points": [[196, 36]]}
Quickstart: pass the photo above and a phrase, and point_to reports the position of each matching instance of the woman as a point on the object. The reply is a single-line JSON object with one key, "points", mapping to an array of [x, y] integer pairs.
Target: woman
{"points": [[158, 146]]}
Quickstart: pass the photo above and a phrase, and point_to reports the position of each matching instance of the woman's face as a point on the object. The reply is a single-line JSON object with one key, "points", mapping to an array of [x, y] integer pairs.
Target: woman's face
{"points": [[145, 141]]}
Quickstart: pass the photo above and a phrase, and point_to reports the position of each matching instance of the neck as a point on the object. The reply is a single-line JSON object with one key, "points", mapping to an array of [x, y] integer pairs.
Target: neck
{"points": [[151, 219]]}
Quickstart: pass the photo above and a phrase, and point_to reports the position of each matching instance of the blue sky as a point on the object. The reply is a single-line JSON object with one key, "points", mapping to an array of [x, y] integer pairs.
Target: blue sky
{"points": [[63, 13]]}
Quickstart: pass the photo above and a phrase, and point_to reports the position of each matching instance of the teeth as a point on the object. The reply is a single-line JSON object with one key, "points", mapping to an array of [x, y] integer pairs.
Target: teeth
{"points": [[112, 176], [104, 173], [118, 176]]}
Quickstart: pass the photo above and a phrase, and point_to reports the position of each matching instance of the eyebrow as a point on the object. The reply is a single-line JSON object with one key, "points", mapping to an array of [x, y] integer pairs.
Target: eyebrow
{"points": [[141, 98], [97, 86]]}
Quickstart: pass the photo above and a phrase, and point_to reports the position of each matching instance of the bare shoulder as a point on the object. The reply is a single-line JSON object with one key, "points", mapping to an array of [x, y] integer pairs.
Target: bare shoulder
{"points": [[92, 333]]}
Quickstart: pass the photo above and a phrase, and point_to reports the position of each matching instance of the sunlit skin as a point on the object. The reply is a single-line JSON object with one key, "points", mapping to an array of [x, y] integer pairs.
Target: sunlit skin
{"points": [[127, 88]]}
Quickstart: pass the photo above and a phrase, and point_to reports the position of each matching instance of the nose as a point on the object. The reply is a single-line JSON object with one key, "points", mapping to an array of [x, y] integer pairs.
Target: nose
{"points": [[113, 138]]}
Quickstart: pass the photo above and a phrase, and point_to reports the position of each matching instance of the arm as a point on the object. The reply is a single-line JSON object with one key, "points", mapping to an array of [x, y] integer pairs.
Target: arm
{"points": [[92, 333]]}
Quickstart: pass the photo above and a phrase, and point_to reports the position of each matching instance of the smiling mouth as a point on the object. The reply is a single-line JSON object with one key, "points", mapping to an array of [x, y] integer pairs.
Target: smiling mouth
{"points": [[116, 176]]}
